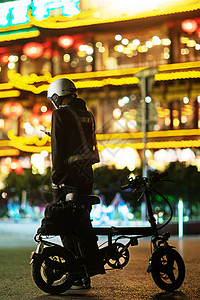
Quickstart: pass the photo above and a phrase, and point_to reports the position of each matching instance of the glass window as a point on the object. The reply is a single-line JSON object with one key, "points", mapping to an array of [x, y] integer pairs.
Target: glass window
{"points": [[143, 49], [189, 43]]}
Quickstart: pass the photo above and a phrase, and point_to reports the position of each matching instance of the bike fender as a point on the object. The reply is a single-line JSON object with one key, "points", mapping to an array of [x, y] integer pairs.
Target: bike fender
{"points": [[40, 250], [34, 256]]}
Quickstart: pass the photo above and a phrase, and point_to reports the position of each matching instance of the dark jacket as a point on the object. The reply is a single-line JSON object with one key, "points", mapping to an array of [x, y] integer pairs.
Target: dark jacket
{"points": [[70, 142]]}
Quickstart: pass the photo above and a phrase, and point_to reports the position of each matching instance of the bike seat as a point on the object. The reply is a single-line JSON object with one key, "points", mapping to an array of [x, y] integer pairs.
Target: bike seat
{"points": [[82, 198]]}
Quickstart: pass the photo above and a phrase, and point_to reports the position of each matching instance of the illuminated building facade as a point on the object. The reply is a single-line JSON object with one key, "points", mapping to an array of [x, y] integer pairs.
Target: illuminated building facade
{"points": [[101, 45]]}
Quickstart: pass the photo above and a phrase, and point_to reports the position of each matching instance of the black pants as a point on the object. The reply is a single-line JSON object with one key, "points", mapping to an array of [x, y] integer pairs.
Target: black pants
{"points": [[83, 237], [80, 221], [78, 178]]}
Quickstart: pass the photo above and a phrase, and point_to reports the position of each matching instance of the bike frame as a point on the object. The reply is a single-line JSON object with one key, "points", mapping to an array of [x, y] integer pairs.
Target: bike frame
{"points": [[135, 232], [143, 186], [131, 233], [165, 264]]}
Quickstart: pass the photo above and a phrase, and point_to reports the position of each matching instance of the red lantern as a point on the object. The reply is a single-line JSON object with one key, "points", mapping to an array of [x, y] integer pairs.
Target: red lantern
{"points": [[65, 41], [16, 166], [12, 109], [4, 58], [33, 50], [189, 25]]}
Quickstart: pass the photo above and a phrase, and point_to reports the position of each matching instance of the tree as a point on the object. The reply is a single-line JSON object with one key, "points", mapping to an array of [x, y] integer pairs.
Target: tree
{"points": [[34, 184], [108, 180], [186, 182]]}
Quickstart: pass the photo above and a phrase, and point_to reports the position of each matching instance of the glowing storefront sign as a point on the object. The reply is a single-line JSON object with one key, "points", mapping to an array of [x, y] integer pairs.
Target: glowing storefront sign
{"points": [[41, 8], [16, 12]]}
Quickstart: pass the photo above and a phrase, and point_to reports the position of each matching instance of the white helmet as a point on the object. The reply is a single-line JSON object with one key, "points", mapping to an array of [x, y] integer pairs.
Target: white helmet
{"points": [[60, 87]]}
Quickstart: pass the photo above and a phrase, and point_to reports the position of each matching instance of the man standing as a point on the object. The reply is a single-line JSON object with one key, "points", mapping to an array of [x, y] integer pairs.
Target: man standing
{"points": [[74, 151]]}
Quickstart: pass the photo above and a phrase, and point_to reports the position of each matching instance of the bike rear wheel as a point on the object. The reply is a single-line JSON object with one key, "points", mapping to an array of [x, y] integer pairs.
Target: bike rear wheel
{"points": [[51, 271], [169, 272]]}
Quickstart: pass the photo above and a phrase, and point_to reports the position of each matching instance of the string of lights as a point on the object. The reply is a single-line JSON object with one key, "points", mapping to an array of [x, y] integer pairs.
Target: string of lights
{"points": [[34, 140], [19, 34], [177, 75], [9, 94], [24, 82], [35, 145], [9, 152]]}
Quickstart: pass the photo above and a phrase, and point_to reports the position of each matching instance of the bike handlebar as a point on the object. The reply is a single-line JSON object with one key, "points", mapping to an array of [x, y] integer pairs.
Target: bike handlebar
{"points": [[143, 186], [124, 187], [140, 182]]}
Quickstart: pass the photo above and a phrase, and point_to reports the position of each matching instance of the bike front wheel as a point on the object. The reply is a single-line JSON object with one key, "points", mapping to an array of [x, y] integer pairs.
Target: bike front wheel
{"points": [[51, 271], [169, 271]]}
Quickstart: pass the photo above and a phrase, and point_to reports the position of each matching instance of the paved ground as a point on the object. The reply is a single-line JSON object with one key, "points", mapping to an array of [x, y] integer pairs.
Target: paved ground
{"points": [[133, 282], [17, 234]]}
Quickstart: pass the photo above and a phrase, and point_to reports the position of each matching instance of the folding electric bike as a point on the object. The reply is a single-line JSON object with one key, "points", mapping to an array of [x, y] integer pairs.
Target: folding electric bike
{"points": [[55, 268]]}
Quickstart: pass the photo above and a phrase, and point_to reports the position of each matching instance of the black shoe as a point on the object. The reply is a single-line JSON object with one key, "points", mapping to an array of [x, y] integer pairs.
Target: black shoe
{"points": [[93, 272], [95, 268], [81, 284]]}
